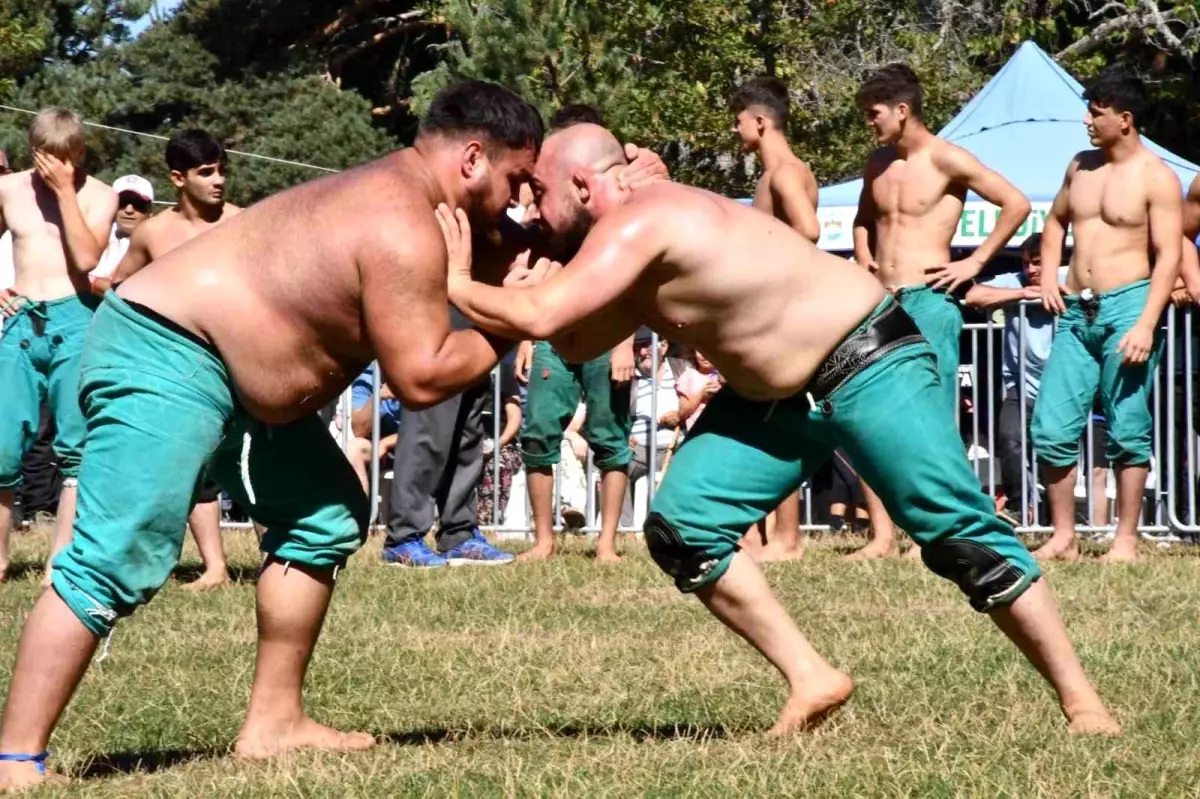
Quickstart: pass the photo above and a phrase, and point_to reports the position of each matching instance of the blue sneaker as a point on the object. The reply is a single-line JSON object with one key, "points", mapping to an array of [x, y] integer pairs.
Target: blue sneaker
{"points": [[414, 555], [476, 551]]}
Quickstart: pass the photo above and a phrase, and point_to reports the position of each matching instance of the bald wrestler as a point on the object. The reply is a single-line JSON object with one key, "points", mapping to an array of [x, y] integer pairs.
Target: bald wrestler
{"points": [[59, 217], [197, 164], [1124, 206], [914, 188], [816, 355], [218, 358]]}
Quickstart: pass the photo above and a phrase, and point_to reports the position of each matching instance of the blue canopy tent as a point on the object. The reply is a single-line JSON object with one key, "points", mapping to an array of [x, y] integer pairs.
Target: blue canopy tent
{"points": [[1027, 124]]}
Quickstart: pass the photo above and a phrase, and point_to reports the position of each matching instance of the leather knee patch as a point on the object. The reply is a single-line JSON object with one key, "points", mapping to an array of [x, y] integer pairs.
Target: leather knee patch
{"points": [[986, 578], [673, 555]]}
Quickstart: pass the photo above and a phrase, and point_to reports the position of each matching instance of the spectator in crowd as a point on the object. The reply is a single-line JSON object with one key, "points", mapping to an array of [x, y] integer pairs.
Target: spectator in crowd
{"points": [[60, 220], [493, 498], [555, 390], [361, 450], [655, 393], [438, 464], [197, 166], [135, 199], [1036, 328], [699, 381]]}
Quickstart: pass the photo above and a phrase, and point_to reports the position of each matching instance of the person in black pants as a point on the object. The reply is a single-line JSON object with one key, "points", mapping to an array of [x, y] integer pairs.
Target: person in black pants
{"points": [[439, 463]]}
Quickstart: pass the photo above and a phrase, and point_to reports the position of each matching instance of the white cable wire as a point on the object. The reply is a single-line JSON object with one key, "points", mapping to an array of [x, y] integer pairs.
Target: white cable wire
{"points": [[164, 138]]}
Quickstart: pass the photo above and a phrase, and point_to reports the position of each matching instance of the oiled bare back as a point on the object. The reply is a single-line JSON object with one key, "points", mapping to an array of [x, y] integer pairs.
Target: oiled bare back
{"points": [[761, 301]]}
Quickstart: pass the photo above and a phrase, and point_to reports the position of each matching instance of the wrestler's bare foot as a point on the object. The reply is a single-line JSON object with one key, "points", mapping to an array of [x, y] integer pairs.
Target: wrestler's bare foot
{"points": [[263, 740], [537, 553], [1120, 552], [19, 777], [913, 553], [777, 553], [876, 549], [810, 704], [607, 556], [1057, 548], [209, 581], [1092, 721]]}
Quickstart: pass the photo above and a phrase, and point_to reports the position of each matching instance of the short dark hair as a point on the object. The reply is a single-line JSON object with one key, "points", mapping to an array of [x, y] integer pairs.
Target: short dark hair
{"points": [[769, 94], [489, 110], [576, 114], [1032, 246], [1121, 90], [188, 149], [891, 86]]}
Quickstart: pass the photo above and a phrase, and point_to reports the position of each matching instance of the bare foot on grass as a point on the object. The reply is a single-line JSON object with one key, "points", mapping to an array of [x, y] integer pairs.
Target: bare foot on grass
{"points": [[812, 703], [261, 741]]}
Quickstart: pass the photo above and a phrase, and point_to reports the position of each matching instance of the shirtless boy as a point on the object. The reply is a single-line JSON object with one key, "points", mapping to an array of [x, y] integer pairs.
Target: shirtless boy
{"points": [[913, 193], [218, 357], [60, 218], [1124, 206], [197, 165], [788, 191], [816, 356]]}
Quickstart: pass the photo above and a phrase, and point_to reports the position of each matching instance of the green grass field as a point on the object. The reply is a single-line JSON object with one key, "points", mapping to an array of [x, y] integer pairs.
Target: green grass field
{"points": [[567, 679]]}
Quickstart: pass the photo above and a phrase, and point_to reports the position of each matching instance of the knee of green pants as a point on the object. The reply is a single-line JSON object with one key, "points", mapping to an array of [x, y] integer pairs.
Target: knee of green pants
{"points": [[324, 541], [608, 461], [695, 559], [1130, 444], [100, 591], [537, 452], [1054, 444]]}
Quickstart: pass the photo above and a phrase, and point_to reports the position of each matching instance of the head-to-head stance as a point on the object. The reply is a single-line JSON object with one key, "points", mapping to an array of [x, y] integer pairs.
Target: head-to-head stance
{"points": [[816, 356], [218, 357]]}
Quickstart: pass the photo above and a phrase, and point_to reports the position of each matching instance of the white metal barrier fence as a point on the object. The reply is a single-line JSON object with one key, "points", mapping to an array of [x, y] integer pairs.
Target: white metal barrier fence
{"points": [[1170, 506]]}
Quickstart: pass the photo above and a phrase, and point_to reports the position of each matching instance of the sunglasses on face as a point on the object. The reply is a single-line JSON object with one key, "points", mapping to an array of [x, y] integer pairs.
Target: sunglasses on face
{"points": [[139, 204]]}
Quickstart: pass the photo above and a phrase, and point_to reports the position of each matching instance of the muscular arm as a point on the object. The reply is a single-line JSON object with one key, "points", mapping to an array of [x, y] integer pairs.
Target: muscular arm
{"points": [[85, 234], [790, 193], [615, 254], [138, 254], [407, 318], [609, 329], [864, 220], [1166, 239], [988, 297], [966, 170], [1054, 234]]}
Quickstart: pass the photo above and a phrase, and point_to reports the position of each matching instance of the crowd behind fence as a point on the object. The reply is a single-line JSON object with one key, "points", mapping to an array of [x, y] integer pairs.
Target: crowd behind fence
{"points": [[1170, 511]]}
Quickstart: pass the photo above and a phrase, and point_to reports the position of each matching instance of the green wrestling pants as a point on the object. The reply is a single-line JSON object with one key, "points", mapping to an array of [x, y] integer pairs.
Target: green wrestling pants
{"points": [[555, 389], [160, 410], [939, 319], [743, 457], [1084, 359], [40, 350]]}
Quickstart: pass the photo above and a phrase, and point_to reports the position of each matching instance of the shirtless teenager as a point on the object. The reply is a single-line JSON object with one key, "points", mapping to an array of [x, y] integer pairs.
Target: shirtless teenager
{"points": [[219, 357], [788, 191], [817, 356], [914, 188], [1124, 206], [197, 165], [59, 218]]}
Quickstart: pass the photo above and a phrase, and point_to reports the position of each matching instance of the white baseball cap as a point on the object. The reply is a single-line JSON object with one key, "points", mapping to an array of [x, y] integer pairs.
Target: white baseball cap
{"points": [[136, 184]]}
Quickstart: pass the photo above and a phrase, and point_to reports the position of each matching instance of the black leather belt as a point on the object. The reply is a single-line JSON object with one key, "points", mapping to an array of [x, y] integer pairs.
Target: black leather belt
{"points": [[891, 329]]}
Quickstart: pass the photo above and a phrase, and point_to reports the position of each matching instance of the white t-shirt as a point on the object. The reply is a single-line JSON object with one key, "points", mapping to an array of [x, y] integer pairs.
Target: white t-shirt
{"points": [[668, 400], [112, 255]]}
